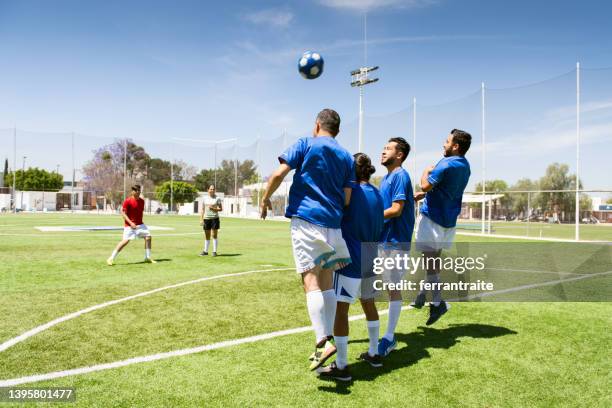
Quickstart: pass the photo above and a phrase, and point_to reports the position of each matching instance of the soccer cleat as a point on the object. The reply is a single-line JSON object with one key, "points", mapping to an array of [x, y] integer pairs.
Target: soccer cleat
{"points": [[374, 361], [203, 253], [214, 254], [385, 347], [323, 353], [436, 312], [150, 260], [419, 302], [332, 371], [110, 261]]}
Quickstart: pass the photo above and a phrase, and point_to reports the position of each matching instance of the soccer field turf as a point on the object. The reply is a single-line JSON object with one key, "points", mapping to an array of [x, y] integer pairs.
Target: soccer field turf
{"points": [[479, 354]]}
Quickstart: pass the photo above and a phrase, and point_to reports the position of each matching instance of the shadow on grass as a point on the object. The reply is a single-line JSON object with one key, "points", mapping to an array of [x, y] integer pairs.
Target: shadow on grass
{"points": [[412, 347], [222, 255], [143, 262]]}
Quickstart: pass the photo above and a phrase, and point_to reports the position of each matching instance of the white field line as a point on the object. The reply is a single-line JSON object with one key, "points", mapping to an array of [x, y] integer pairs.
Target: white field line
{"points": [[478, 234], [94, 228], [531, 286], [15, 340], [533, 271], [228, 343]]}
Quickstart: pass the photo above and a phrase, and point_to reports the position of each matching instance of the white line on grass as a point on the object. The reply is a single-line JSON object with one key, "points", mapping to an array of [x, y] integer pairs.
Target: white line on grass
{"points": [[11, 342], [228, 343], [479, 234]]}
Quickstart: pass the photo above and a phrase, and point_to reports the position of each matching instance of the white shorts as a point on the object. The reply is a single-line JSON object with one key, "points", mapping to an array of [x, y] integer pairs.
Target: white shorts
{"points": [[141, 231], [396, 273], [432, 237], [314, 246], [347, 289]]}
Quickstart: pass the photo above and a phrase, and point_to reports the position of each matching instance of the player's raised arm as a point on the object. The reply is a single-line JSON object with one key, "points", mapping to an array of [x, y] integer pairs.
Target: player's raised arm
{"points": [[274, 182], [425, 183]]}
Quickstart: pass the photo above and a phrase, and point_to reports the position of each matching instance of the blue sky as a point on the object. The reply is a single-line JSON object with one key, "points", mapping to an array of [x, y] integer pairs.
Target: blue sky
{"points": [[153, 70]]}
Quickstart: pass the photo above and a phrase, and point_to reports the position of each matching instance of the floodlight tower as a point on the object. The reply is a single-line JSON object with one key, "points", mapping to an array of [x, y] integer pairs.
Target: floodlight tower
{"points": [[359, 78]]}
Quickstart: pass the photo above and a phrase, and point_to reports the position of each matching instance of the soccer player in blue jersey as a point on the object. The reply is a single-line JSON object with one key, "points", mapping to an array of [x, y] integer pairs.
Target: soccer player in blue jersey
{"points": [[362, 223], [321, 189], [398, 200], [443, 186]]}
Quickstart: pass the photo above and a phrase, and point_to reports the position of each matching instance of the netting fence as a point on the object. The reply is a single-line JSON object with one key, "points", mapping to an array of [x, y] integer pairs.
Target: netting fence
{"points": [[530, 144]]}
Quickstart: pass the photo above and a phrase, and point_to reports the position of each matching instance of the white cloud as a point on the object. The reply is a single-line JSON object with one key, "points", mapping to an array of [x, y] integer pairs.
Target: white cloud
{"points": [[273, 17], [369, 5]]}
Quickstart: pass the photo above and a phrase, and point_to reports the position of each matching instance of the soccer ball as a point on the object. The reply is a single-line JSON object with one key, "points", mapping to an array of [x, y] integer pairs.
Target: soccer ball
{"points": [[310, 65]]}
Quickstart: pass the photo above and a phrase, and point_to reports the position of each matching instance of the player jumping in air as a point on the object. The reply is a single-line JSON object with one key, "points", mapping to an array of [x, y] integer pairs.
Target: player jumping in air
{"points": [[132, 210], [362, 223], [396, 190], [443, 186], [209, 219], [321, 189]]}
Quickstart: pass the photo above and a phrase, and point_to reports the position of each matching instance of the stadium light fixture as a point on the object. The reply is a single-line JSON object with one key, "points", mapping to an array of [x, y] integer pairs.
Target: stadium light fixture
{"points": [[359, 78]]}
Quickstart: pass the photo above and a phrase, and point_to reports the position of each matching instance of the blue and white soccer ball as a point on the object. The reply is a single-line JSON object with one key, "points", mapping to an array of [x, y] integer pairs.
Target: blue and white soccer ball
{"points": [[310, 65]]}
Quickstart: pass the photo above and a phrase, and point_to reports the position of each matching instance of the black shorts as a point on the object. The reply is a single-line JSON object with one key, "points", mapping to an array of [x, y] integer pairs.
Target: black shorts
{"points": [[212, 223]]}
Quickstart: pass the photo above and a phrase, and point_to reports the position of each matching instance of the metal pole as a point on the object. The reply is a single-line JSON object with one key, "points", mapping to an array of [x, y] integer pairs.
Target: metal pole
{"points": [[22, 180], [483, 143], [14, 195], [172, 180], [235, 169], [528, 212], [124, 169], [577, 234], [73, 173], [215, 165], [414, 163], [258, 170], [360, 142]]}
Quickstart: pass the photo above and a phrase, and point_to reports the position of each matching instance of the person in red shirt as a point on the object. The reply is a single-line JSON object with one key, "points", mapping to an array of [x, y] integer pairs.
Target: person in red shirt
{"points": [[132, 210]]}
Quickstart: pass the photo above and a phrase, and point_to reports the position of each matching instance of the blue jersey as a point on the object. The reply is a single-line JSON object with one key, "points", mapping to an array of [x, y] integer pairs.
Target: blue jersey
{"points": [[443, 202], [362, 222], [396, 186], [322, 169]]}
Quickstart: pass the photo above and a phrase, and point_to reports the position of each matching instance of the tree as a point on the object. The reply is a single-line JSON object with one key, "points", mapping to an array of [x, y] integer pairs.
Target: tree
{"points": [[35, 179], [494, 186], [104, 173], [520, 202], [226, 176], [6, 168], [557, 177], [182, 192], [159, 171]]}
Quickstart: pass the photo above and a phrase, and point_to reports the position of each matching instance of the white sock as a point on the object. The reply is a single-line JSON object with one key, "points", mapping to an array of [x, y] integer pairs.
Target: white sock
{"points": [[206, 244], [114, 254], [329, 297], [395, 307], [147, 252], [215, 245], [341, 351], [373, 333], [316, 311]]}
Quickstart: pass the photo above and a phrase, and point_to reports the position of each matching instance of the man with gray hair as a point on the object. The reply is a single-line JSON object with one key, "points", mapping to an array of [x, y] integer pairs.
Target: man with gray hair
{"points": [[321, 189]]}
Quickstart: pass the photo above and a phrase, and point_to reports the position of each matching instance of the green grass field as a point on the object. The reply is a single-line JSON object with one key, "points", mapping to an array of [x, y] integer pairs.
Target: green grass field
{"points": [[480, 354], [589, 232]]}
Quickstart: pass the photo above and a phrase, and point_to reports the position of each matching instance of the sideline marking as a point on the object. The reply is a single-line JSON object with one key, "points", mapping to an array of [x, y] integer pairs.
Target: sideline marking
{"points": [[235, 342], [32, 332]]}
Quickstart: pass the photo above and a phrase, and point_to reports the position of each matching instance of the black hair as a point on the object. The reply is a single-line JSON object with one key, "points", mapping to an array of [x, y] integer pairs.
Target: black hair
{"points": [[329, 121], [463, 139], [363, 167], [402, 145]]}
